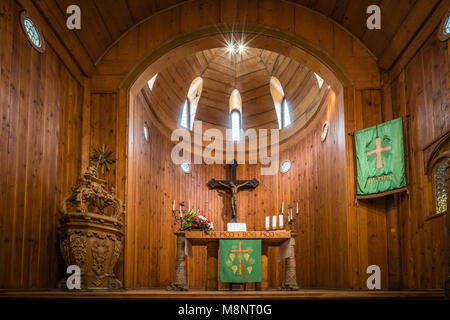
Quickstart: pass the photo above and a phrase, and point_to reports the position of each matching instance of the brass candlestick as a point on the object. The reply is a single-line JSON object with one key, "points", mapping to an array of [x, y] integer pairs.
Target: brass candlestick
{"points": [[178, 216]]}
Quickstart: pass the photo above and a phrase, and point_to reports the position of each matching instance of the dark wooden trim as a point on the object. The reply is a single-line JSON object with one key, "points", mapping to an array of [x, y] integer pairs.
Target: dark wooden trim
{"points": [[371, 196], [433, 216]]}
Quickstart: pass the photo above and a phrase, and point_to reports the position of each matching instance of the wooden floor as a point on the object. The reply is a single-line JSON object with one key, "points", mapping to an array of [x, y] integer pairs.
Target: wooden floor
{"points": [[206, 295]]}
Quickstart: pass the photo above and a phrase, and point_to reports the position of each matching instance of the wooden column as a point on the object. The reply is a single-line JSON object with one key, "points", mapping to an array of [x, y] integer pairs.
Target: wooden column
{"points": [[394, 261], [290, 280], [264, 284], [180, 281], [211, 265], [447, 282]]}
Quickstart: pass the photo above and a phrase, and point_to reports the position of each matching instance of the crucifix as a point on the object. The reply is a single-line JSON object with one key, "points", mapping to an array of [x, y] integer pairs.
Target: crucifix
{"points": [[233, 186]]}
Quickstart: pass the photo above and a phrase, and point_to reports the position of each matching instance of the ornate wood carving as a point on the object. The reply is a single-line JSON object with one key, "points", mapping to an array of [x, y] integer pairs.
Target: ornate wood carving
{"points": [[90, 235]]}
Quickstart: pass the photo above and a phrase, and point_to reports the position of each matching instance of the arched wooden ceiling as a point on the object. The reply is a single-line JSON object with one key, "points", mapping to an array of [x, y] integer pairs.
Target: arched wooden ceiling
{"points": [[105, 21], [250, 74]]}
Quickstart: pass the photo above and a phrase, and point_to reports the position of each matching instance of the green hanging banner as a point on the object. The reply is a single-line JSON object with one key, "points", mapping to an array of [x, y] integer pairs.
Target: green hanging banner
{"points": [[380, 161], [240, 260]]}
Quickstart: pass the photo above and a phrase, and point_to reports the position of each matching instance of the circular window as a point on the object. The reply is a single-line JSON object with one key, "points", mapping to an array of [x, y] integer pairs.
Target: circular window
{"points": [[32, 32], [444, 31], [186, 167], [324, 131], [146, 132], [285, 166]]}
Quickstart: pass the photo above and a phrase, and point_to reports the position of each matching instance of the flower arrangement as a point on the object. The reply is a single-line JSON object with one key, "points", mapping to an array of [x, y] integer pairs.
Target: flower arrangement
{"points": [[194, 221]]}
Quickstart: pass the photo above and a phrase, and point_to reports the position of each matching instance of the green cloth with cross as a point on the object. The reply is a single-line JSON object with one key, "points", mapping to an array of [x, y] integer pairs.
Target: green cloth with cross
{"points": [[380, 161], [240, 260]]}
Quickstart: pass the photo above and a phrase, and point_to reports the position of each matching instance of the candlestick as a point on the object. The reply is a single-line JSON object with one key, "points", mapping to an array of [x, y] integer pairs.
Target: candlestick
{"points": [[181, 211], [267, 223], [274, 222]]}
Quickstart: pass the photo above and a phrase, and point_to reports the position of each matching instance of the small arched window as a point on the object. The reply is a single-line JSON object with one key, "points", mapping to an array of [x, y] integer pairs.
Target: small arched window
{"points": [[235, 115], [440, 186], [189, 109], [281, 105]]}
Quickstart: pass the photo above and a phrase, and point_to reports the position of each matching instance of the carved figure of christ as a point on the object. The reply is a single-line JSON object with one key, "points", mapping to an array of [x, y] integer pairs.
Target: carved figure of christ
{"points": [[233, 186]]}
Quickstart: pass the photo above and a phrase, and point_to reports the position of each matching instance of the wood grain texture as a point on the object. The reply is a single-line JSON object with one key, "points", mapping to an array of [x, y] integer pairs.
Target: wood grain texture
{"points": [[421, 91], [40, 103]]}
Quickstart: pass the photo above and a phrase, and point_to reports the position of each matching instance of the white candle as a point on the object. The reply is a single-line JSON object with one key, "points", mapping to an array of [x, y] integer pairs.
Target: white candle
{"points": [[274, 222], [267, 223], [282, 207], [173, 205], [189, 205], [290, 215], [280, 220], [297, 207]]}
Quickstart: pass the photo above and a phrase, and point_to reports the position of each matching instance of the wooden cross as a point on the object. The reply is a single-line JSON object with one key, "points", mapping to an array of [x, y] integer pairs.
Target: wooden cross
{"points": [[233, 186], [240, 261], [378, 150]]}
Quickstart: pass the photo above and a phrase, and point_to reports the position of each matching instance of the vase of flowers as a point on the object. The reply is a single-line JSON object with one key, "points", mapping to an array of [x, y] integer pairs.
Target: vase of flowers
{"points": [[193, 221]]}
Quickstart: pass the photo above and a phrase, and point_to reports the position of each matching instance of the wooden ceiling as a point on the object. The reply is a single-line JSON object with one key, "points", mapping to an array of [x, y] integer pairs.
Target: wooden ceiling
{"points": [[221, 74], [105, 21]]}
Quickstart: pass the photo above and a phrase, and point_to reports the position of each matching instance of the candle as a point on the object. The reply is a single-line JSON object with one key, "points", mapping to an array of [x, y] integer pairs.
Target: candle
{"points": [[189, 208], [282, 207], [181, 211], [297, 208], [280, 220], [274, 222], [267, 223], [173, 205]]}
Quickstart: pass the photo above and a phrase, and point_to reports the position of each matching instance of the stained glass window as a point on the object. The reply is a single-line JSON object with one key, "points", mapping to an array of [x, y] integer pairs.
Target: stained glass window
{"points": [[32, 32], [440, 186], [447, 26]]}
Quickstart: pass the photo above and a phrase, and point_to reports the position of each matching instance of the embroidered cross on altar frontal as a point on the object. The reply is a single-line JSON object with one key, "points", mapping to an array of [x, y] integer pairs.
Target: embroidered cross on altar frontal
{"points": [[240, 261]]}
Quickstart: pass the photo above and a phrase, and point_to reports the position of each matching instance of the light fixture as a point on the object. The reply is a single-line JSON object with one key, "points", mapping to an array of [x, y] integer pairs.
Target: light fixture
{"points": [[185, 167], [230, 48], [285, 166], [241, 48]]}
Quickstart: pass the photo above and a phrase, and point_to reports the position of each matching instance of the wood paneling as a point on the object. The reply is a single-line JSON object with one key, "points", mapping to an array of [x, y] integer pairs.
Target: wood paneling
{"points": [[40, 105], [421, 91], [103, 23], [317, 180]]}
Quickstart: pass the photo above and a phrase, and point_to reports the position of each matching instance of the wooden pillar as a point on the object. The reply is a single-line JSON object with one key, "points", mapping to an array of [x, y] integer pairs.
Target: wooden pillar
{"points": [[264, 284], [211, 265], [290, 280], [394, 261], [447, 282], [180, 281]]}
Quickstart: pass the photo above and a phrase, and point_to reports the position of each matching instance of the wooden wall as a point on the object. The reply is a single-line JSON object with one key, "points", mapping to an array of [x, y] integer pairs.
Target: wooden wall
{"points": [[421, 91], [316, 180], [40, 105]]}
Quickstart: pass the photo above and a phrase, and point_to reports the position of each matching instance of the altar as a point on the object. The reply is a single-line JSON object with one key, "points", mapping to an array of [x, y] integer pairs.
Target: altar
{"points": [[270, 238]]}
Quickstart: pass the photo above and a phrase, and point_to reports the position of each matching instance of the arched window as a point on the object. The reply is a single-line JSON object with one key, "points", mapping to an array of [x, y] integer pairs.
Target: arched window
{"points": [[189, 108], [281, 105], [235, 115], [440, 186], [319, 80], [151, 82]]}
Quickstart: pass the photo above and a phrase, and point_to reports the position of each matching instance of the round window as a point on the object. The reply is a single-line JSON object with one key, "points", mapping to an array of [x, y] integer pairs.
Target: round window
{"points": [[186, 167], [285, 166], [32, 32]]}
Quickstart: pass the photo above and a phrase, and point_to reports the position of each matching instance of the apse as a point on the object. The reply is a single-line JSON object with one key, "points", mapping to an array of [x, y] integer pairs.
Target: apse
{"points": [[223, 149]]}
